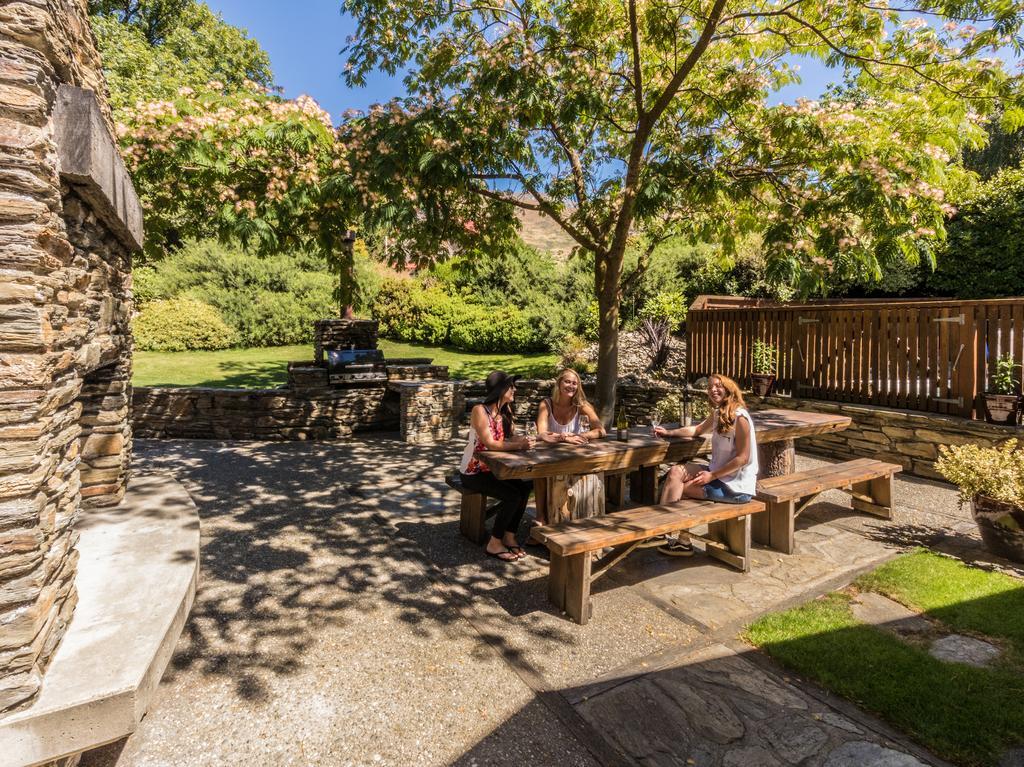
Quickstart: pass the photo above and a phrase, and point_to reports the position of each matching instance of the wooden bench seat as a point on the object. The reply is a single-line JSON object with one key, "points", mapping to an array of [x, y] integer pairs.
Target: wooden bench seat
{"points": [[868, 481], [473, 510], [572, 543]]}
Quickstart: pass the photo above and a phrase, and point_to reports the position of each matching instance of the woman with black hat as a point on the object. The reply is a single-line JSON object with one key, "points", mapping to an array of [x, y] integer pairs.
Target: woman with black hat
{"points": [[491, 429]]}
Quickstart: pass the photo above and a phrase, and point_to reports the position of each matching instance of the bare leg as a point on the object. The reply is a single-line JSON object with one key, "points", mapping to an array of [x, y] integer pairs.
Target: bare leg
{"points": [[677, 484], [540, 500]]}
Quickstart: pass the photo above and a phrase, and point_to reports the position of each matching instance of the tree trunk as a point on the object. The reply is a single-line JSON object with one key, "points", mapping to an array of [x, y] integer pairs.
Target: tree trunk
{"points": [[609, 274]]}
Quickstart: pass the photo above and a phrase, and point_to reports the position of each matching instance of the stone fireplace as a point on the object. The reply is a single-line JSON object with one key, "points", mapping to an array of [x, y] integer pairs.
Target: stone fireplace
{"points": [[69, 222]]}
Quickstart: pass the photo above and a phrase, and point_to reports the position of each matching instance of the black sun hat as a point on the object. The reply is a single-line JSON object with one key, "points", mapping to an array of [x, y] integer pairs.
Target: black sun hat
{"points": [[497, 382]]}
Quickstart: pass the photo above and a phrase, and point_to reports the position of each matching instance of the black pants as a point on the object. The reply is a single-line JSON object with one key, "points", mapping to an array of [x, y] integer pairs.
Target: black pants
{"points": [[512, 495]]}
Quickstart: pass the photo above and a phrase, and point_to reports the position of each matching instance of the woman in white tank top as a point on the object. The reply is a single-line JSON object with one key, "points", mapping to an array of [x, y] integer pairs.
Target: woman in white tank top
{"points": [[559, 420], [732, 475]]}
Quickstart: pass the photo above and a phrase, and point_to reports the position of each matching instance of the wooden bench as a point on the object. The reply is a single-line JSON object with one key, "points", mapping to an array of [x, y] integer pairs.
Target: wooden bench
{"points": [[868, 481], [473, 510], [572, 543]]}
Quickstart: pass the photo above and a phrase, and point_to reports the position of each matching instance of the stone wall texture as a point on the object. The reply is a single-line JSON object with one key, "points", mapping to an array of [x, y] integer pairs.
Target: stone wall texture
{"points": [[905, 437], [431, 411], [65, 345], [265, 414]]}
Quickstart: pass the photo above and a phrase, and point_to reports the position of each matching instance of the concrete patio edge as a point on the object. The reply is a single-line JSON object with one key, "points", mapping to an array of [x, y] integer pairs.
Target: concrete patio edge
{"points": [[137, 576]]}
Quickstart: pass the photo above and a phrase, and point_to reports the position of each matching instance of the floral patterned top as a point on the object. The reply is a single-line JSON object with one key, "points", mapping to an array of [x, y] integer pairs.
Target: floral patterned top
{"points": [[470, 464]]}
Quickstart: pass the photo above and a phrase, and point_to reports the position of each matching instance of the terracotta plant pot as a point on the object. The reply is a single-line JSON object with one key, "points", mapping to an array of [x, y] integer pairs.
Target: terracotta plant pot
{"points": [[1001, 526], [1002, 408], [762, 383]]}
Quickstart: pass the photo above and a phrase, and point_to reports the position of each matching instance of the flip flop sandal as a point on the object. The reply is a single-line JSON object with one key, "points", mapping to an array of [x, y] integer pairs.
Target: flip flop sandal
{"points": [[519, 551], [498, 555]]}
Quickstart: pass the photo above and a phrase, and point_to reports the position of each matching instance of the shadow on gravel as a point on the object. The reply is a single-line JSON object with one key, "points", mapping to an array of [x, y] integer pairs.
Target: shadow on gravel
{"points": [[292, 540]]}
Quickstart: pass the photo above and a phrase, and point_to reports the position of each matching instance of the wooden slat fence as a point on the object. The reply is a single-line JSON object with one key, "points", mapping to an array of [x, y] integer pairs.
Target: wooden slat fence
{"points": [[935, 356]]}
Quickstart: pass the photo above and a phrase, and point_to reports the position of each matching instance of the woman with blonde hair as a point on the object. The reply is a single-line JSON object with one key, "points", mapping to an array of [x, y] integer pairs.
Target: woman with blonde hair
{"points": [[565, 417], [732, 475]]}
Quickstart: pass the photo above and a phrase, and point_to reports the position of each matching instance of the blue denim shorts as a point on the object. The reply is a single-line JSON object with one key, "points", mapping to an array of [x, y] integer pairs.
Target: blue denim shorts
{"points": [[715, 490]]}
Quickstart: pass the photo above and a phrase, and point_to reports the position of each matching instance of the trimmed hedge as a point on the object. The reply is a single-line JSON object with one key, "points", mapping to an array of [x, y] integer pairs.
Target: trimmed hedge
{"points": [[181, 324], [407, 311]]}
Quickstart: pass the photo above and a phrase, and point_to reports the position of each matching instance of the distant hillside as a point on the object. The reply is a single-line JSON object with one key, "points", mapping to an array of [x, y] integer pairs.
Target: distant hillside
{"points": [[540, 232]]}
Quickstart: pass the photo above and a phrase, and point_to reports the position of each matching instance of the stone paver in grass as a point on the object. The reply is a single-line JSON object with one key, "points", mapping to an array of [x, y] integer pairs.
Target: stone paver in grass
{"points": [[956, 648], [341, 619]]}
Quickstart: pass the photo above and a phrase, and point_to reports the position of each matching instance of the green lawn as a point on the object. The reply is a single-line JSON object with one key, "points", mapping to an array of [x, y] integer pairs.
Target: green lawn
{"points": [[263, 368], [967, 715]]}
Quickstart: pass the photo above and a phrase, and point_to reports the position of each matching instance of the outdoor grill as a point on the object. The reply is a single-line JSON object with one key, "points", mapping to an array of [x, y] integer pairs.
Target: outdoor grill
{"points": [[355, 365]]}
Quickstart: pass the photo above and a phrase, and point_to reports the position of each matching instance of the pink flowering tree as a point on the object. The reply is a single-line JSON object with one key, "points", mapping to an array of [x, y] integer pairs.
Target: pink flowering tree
{"points": [[241, 165], [625, 117]]}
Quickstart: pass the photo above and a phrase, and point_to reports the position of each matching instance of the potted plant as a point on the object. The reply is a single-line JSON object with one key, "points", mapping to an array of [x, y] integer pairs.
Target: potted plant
{"points": [[1003, 401], [763, 358], [992, 480]]}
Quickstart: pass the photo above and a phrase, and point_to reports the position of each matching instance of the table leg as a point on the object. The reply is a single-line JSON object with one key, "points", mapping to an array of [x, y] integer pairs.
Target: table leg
{"points": [[574, 496], [776, 458], [643, 485]]}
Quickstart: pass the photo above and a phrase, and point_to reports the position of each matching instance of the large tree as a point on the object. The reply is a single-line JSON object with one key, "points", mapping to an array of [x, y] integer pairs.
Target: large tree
{"points": [[615, 117], [151, 48]]}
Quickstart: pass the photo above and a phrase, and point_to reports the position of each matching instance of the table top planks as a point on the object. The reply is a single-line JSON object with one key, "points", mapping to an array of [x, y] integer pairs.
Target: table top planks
{"points": [[641, 449]]}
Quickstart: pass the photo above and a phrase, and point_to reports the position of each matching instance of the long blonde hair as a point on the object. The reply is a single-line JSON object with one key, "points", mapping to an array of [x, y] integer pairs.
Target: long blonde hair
{"points": [[733, 402], [579, 399]]}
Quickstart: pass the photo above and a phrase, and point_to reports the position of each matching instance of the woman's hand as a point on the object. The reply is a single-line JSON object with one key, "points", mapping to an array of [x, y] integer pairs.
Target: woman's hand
{"points": [[574, 439], [702, 478], [550, 437], [660, 431]]}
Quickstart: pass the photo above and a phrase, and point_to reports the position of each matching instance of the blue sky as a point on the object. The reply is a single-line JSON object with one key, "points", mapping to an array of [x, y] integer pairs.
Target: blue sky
{"points": [[304, 39]]}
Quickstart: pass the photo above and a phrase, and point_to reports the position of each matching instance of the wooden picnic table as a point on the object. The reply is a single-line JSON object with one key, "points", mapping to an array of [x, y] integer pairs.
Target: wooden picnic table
{"points": [[775, 430]]}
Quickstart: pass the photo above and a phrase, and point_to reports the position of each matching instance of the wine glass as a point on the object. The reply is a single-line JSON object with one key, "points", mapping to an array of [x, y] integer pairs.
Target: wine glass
{"points": [[531, 430], [584, 424], [655, 423]]}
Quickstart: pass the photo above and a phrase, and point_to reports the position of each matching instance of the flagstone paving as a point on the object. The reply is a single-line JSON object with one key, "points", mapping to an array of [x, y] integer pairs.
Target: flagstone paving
{"points": [[342, 620]]}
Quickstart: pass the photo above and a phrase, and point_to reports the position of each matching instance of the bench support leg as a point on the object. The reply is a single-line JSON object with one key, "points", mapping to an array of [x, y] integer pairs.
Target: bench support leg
{"points": [[729, 541], [569, 585], [760, 528], [874, 496], [472, 517], [782, 525]]}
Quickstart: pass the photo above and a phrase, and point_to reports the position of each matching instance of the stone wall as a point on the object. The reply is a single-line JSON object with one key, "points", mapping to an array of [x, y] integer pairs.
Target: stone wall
{"points": [[431, 411], [68, 222], [264, 414], [905, 437]]}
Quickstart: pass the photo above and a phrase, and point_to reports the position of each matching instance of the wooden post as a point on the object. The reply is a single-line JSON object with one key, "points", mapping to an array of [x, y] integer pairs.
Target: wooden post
{"points": [[776, 458], [472, 514], [782, 525], [577, 588]]}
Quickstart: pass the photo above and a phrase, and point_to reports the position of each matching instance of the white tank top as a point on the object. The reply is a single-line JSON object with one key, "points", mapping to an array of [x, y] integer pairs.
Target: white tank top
{"points": [[573, 427], [723, 450]]}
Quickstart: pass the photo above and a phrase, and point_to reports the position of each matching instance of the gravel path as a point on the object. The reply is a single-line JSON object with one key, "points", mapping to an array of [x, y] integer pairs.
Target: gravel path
{"points": [[341, 620]]}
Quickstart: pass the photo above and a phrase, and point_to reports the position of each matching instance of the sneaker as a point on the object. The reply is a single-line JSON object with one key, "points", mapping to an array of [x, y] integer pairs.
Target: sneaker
{"points": [[656, 542], [677, 549]]}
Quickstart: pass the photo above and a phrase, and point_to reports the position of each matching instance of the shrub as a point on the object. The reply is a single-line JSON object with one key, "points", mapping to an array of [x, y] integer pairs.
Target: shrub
{"points": [[997, 472], [666, 305], [984, 254], [407, 311], [493, 329], [181, 324], [271, 301]]}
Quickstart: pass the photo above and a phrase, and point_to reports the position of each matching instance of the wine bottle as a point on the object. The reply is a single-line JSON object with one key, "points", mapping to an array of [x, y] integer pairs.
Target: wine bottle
{"points": [[621, 425]]}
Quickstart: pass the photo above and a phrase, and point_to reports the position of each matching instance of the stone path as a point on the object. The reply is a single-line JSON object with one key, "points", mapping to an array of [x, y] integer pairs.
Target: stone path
{"points": [[341, 620]]}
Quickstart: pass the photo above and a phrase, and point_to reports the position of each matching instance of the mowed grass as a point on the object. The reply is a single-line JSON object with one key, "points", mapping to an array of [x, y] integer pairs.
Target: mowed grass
{"points": [[965, 714], [268, 367]]}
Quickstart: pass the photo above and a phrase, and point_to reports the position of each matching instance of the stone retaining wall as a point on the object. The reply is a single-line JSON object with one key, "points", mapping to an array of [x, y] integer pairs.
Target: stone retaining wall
{"points": [[905, 437], [264, 414]]}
